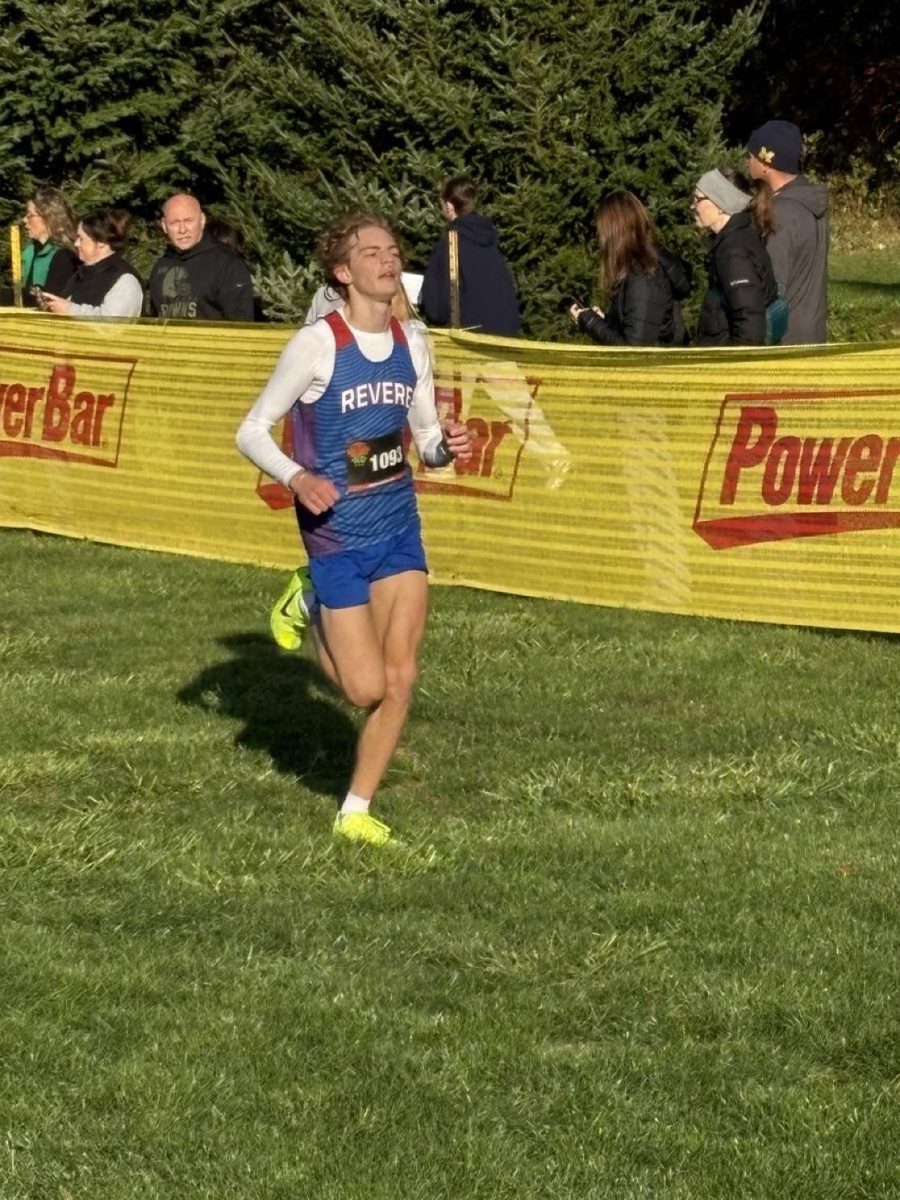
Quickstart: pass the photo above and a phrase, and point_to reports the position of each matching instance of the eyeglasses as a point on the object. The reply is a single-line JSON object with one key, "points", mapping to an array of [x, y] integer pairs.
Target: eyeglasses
{"points": [[695, 200]]}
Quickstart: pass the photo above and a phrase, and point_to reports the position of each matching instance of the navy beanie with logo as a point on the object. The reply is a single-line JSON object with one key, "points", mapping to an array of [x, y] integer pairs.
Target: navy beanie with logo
{"points": [[778, 144]]}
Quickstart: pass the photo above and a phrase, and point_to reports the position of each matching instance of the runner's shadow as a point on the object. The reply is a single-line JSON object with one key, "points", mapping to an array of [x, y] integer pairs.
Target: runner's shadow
{"points": [[279, 699]]}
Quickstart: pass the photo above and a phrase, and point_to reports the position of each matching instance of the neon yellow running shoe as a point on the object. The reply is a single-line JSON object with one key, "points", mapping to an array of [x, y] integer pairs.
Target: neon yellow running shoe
{"points": [[290, 616], [361, 827]]}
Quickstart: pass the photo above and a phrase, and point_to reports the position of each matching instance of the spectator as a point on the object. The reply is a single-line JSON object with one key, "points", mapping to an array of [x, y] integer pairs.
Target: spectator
{"points": [[645, 282], [487, 295], [105, 285], [48, 260], [197, 277], [741, 280], [229, 235], [327, 300], [798, 245]]}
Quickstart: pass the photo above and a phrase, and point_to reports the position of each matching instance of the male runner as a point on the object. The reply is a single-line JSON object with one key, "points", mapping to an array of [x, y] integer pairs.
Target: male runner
{"points": [[351, 381], [288, 618]]}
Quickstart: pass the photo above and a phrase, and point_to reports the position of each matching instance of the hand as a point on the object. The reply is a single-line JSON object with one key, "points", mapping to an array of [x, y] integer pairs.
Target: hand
{"points": [[314, 492], [599, 312], [459, 439], [54, 304]]}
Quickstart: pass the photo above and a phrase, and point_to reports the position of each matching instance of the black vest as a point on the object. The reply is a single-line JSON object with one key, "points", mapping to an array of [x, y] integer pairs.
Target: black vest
{"points": [[92, 281]]}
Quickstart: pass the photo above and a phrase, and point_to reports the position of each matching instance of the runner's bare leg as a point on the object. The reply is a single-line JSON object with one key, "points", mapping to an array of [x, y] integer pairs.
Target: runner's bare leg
{"points": [[373, 648]]}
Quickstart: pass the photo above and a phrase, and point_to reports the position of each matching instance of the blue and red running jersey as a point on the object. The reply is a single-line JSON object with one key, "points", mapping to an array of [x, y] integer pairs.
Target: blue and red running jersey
{"points": [[354, 436]]}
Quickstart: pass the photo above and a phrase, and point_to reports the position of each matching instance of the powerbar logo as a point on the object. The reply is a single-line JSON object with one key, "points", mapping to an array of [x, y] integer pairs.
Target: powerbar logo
{"points": [[503, 417], [799, 465], [497, 412], [64, 408]]}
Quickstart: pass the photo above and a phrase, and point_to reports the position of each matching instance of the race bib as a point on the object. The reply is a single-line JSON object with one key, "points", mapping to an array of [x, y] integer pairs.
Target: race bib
{"points": [[375, 461]]}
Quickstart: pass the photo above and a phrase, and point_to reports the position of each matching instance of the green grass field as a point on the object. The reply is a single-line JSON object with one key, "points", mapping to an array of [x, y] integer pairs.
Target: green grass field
{"points": [[865, 293], [641, 940]]}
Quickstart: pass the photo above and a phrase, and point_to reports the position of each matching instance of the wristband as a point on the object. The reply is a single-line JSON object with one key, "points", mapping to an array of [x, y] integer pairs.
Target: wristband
{"points": [[440, 456]]}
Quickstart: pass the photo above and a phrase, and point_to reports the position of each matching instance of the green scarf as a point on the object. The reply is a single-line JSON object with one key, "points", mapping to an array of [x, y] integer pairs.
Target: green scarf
{"points": [[36, 260]]}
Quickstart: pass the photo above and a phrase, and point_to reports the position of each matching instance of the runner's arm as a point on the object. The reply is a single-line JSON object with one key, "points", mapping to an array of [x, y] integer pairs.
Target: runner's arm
{"points": [[436, 444], [302, 373]]}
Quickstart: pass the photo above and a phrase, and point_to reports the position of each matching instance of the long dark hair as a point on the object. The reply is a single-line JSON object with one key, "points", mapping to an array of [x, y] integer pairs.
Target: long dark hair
{"points": [[627, 239], [762, 210]]}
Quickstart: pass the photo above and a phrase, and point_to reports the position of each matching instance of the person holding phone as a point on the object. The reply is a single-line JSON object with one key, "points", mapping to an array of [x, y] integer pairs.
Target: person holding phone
{"points": [[643, 280], [105, 284]]}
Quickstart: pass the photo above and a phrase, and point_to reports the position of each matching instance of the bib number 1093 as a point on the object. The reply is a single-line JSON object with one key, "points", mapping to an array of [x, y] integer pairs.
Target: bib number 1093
{"points": [[375, 461], [384, 460]]}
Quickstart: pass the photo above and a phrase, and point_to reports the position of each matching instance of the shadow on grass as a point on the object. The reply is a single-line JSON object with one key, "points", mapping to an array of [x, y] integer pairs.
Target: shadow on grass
{"points": [[866, 285], [859, 635], [276, 696]]}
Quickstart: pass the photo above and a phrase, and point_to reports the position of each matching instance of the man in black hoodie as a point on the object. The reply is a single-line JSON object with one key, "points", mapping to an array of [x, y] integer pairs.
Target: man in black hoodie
{"points": [[798, 247], [197, 277], [487, 295]]}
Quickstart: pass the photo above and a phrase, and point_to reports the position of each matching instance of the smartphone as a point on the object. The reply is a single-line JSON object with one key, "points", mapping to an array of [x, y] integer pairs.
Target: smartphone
{"points": [[566, 302]]}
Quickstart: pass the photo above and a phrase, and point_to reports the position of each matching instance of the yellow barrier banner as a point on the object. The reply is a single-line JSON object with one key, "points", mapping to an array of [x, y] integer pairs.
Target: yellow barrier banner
{"points": [[758, 484]]}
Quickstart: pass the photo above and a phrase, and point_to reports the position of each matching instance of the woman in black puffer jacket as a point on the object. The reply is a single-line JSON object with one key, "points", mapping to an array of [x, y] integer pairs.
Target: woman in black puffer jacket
{"points": [[741, 281], [644, 281]]}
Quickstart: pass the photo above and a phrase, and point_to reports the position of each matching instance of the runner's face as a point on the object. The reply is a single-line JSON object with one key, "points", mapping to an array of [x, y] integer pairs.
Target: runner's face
{"points": [[373, 265]]}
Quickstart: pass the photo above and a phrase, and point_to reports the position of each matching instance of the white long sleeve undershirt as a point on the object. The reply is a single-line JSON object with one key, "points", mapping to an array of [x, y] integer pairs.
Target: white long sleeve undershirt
{"points": [[304, 371]]}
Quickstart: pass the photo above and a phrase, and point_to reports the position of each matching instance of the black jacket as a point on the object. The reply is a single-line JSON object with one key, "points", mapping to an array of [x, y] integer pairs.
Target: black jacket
{"points": [[487, 294], [741, 285], [91, 282], [208, 282], [644, 309]]}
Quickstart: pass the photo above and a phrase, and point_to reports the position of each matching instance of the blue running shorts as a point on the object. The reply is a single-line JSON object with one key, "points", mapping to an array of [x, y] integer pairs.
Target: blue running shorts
{"points": [[342, 580]]}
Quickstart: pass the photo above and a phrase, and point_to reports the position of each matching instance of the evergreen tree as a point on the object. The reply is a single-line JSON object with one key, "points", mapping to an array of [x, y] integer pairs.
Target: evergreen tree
{"points": [[281, 116]]}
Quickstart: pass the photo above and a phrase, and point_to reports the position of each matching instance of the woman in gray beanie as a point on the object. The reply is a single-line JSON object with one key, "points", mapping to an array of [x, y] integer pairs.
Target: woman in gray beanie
{"points": [[741, 281]]}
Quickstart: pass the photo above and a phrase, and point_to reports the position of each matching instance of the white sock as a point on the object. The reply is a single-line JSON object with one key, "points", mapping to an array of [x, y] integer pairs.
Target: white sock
{"points": [[354, 803]]}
